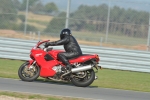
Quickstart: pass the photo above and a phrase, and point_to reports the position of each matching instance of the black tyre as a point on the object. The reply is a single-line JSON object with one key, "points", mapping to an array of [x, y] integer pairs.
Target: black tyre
{"points": [[86, 81], [28, 75]]}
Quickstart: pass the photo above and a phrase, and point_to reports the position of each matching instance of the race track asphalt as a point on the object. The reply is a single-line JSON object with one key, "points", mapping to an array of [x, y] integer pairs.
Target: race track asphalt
{"points": [[67, 90]]}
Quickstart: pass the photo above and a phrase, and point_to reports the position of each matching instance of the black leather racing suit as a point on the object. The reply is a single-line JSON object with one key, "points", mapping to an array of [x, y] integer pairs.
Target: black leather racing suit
{"points": [[71, 47]]}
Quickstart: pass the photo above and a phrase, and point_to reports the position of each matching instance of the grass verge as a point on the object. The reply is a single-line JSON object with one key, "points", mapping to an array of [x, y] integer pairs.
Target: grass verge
{"points": [[5, 95], [107, 78]]}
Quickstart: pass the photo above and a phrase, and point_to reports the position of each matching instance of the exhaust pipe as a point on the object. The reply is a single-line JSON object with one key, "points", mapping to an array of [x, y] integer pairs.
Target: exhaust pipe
{"points": [[74, 70], [83, 68]]}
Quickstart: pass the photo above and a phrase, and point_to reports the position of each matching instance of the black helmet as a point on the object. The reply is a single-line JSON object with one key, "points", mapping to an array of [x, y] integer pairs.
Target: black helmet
{"points": [[64, 32]]}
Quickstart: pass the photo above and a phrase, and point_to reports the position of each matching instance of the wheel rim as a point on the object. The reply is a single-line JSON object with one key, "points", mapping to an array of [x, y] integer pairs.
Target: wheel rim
{"points": [[83, 79], [28, 73]]}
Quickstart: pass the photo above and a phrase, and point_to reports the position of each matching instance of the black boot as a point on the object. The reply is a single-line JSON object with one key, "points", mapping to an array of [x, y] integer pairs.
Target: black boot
{"points": [[65, 61], [68, 67]]}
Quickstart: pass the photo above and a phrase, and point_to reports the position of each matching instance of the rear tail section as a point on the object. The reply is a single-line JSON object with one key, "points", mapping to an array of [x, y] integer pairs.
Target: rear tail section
{"points": [[84, 58]]}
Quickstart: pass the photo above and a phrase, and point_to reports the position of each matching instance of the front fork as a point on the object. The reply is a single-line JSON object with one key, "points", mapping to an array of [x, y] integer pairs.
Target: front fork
{"points": [[31, 64]]}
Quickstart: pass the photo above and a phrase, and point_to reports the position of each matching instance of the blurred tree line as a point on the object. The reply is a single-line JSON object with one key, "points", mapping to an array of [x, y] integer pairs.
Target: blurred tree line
{"points": [[9, 13], [37, 6], [127, 22]]}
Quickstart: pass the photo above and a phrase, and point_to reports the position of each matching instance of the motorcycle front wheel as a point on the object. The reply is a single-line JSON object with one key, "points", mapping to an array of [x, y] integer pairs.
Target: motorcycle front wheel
{"points": [[84, 81], [26, 74]]}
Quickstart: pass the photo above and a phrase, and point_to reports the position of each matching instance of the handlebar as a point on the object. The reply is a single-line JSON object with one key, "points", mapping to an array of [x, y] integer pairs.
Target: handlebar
{"points": [[39, 43]]}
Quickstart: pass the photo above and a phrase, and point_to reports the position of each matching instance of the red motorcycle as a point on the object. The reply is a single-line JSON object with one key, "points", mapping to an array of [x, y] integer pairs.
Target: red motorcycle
{"points": [[44, 63]]}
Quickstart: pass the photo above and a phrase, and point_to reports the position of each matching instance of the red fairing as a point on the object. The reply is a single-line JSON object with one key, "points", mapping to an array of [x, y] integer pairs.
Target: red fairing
{"points": [[46, 66], [47, 60], [46, 69]]}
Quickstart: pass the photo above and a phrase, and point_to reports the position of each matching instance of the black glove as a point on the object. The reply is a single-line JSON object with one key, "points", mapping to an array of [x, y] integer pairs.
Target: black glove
{"points": [[46, 45], [49, 44]]}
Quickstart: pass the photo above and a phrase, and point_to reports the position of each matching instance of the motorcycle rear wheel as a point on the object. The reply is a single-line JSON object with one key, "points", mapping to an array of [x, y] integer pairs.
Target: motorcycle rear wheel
{"points": [[28, 75], [84, 82]]}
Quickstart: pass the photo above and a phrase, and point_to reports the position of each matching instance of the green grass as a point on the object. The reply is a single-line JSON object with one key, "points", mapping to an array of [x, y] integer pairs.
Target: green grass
{"points": [[112, 38], [126, 80], [25, 96], [107, 78], [9, 68]]}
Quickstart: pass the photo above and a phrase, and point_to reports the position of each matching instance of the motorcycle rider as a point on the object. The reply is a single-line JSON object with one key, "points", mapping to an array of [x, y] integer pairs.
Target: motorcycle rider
{"points": [[71, 47]]}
